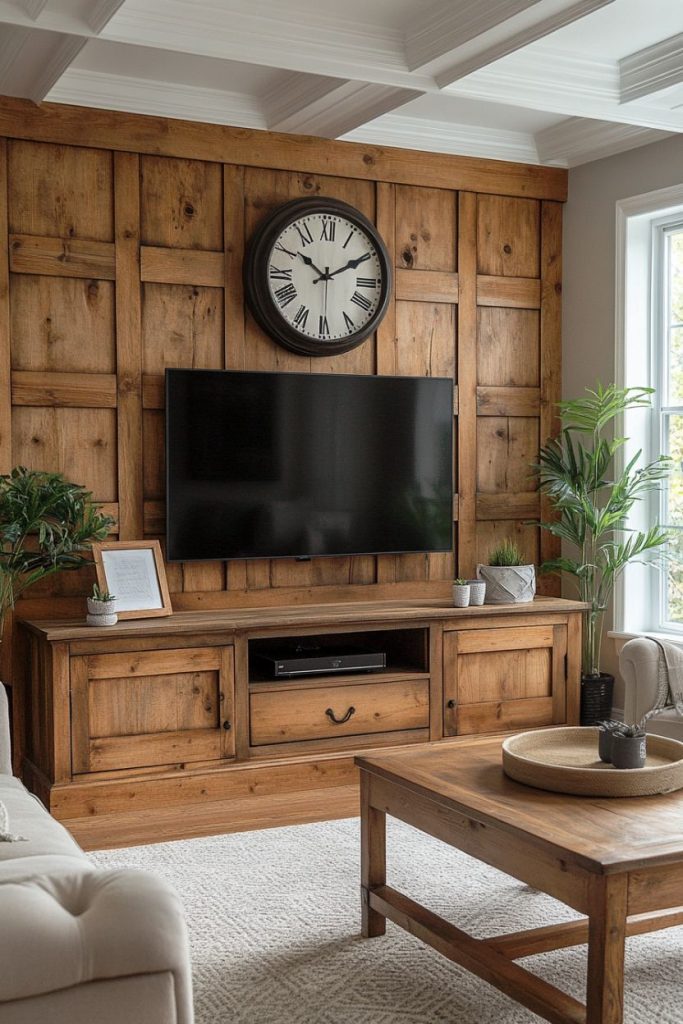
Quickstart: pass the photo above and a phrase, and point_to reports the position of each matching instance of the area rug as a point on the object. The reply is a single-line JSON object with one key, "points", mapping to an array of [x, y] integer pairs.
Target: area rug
{"points": [[274, 926]]}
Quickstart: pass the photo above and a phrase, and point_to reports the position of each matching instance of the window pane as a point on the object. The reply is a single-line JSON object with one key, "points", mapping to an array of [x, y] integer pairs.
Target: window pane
{"points": [[676, 276], [674, 580], [674, 317], [673, 505]]}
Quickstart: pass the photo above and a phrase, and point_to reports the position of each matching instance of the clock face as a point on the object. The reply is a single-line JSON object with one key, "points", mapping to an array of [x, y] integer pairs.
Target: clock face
{"points": [[325, 276], [317, 276]]}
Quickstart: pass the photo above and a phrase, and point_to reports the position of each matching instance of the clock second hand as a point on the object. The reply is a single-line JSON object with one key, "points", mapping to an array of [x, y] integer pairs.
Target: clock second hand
{"points": [[327, 278]]}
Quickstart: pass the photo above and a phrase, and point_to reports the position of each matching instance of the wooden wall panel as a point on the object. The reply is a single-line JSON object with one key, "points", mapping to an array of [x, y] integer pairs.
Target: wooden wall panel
{"points": [[61, 191], [62, 324], [125, 262]]}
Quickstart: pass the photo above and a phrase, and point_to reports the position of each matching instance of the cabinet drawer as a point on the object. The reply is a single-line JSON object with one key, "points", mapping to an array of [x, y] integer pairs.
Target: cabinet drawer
{"points": [[327, 711]]}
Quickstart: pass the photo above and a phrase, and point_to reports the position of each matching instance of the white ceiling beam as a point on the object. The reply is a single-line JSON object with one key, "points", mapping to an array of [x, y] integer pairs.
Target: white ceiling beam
{"points": [[163, 99], [564, 83], [460, 38], [33, 8], [101, 14], [32, 61], [650, 70], [312, 105], [577, 140], [85, 22]]}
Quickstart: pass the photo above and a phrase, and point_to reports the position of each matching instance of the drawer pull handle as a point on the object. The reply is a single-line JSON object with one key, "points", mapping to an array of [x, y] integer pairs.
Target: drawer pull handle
{"points": [[339, 721]]}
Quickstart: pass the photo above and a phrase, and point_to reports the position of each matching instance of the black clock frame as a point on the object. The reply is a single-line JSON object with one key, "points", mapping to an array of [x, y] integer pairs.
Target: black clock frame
{"points": [[257, 291]]}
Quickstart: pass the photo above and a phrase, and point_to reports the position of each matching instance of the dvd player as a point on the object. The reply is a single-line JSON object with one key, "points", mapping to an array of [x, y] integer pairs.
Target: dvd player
{"points": [[286, 661]]}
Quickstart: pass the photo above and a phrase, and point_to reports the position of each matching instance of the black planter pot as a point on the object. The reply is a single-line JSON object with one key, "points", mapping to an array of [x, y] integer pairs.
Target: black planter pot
{"points": [[596, 698], [628, 751]]}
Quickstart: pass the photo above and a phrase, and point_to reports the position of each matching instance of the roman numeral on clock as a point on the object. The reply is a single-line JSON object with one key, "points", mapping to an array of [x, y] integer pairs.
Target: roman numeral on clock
{"points": [[286, 294], [348, 321], [288, 252], [300, 317], [361, 301], [280, 275], [323, 327], [348, 239], [366, 282], [327, 231], [304, 233]]}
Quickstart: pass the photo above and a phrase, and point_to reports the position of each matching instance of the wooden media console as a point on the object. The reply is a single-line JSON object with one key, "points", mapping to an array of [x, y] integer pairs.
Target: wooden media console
{"points": [[165, 728]]}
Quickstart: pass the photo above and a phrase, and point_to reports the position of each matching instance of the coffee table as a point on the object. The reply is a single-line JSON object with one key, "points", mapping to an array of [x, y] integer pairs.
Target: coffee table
{"points": [[619, 861]]}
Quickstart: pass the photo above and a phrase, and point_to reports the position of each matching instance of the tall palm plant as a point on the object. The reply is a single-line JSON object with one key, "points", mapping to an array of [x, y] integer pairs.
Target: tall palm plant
{"points": [[46, 524], [577, 471]]}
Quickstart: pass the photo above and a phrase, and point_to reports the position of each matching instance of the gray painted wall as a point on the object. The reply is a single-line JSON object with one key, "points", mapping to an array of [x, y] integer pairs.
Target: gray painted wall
{"points": [[589, 267]]}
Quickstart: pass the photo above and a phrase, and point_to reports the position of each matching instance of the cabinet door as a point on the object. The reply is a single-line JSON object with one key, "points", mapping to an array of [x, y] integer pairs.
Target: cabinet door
{"points": [[504, 678], [151, 707]]}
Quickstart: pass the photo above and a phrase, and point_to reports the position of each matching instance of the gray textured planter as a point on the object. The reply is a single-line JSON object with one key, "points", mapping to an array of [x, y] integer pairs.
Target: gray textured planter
{"points": [[628, 751], [477, 591], [461, 595], [508, 584]]}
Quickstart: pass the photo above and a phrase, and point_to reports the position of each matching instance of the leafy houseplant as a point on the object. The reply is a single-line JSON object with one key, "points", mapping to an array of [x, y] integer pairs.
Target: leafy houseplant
{"points": [[46, 524], [509, 578], [592, 504]]}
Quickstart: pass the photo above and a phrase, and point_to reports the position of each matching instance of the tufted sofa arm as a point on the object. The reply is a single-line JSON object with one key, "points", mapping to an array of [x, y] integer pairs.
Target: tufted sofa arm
{"points": [[71, 927], [5, 751]]}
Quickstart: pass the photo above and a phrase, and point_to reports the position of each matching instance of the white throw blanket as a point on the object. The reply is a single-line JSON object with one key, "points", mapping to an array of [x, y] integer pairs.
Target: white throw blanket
{"points": [[5, 835], [670, 676]]}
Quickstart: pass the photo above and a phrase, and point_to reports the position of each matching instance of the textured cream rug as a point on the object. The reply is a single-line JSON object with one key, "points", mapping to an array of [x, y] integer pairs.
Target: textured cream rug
{"points": [[274, 920]]}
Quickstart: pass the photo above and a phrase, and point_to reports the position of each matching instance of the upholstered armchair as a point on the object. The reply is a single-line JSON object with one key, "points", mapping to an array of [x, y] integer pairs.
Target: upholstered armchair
{"points": [[641, 663]]}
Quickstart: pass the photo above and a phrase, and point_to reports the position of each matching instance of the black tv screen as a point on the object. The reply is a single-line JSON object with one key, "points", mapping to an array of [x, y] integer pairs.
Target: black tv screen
{"points": [[293, 465]]}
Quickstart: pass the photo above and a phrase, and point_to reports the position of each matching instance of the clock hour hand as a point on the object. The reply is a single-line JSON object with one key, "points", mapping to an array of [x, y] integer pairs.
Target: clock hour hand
{"points": [[351, 264], [309, 263]]}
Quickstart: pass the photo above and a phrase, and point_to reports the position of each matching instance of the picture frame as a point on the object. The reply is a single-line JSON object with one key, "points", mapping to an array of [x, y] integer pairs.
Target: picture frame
{"points": [[133, 571]]}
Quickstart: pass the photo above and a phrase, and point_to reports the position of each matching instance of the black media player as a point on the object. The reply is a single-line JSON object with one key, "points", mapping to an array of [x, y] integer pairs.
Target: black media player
{"points": [[287, 660]]}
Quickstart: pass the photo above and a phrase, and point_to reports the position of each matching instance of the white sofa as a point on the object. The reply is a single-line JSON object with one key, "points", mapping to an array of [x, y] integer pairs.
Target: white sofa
{"points": [[79, 945], [639, 665]]}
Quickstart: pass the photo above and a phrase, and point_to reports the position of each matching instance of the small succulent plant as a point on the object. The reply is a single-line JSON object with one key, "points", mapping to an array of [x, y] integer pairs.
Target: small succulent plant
{"points": [[101, 595]]}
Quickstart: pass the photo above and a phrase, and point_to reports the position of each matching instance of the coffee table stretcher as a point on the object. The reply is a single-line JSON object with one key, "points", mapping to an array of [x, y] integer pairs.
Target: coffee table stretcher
{"points": [[604, 897]]}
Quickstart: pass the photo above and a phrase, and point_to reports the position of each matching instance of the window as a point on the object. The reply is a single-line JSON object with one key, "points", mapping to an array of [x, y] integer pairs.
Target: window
{"points": [[650, 352]]}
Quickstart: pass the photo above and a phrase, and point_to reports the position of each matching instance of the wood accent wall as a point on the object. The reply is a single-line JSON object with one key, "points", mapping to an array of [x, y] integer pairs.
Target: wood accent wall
{"points": [[125, 237]]}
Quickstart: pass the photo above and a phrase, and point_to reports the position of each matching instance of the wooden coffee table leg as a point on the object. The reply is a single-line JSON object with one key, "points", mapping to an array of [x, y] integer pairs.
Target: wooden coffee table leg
{"points": [[606, 935], [373, 857]]}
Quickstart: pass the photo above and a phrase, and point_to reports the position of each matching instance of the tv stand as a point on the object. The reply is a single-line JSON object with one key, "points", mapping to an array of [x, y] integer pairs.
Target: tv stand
{"points": [[165, 728]]}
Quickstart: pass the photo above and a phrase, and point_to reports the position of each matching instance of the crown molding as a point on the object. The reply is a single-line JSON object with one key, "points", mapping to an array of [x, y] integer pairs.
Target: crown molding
{"points": [[329, 108], [545, 78], [442, 137], [652, 69], [31, 61], [451, 24], [165, 99], [578, 140], [33, 8], [101, 13]]}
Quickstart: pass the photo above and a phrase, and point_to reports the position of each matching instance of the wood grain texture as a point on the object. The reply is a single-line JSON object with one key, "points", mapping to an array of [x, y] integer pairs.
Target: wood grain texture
{"points": [[467, 382], [5, 349], [181, 266], [508, 292], [62, 257], [426, 286], [78, 390], [507, 236], [57, 123], [551, 359]]}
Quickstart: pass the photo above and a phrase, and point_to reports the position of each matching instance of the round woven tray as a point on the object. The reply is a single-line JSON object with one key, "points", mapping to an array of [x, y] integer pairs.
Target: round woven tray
{"points": [[566, 760]]}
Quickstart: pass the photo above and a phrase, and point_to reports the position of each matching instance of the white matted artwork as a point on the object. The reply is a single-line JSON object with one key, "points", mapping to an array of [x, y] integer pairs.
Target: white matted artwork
{"points": [[133, 571]]}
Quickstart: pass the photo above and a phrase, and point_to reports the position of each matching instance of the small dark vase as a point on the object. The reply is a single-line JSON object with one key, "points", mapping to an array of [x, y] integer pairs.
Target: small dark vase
{"points": [[596, 698], [628, 751], [605, 740]]}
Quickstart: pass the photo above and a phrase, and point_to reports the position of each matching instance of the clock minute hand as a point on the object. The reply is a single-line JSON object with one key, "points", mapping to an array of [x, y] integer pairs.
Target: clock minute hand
{"points": [[351, 264]]}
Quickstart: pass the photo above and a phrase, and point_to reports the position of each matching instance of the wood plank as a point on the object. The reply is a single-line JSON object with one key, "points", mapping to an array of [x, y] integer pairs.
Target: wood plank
{"points": [[5, 354], [606, 935], [510, 292], [574, 626], [507, 236], [109, 752], [50, 122], [130, 706], [426, 229], [504, 715], [80, 715], [559, 674], [551, 360], [515, 506], [163, 662], [314, 714], [656, 888], [426, 286], [508, 401], [181, 266], [58, 721], [62, 257], [504, 639], [373, 858], [112, 831], [467, 383], [518, 945], [516, 362], [153, 391], [233, 244], [128, 341], [80, 390], [505, 676], [385, 344], [181, 202], [476, 956]]}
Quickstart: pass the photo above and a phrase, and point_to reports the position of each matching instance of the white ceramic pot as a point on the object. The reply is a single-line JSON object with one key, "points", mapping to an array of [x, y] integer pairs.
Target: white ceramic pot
{"points": [[101, 613], [477, 591], [102, 620], [461, 595], [508, 584]]}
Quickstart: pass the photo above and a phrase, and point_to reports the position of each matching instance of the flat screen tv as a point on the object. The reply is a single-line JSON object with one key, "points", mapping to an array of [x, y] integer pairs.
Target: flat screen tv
{"points": [[296, 465]]}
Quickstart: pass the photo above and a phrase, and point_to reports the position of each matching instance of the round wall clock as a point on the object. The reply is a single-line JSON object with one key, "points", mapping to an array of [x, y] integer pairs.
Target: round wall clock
{"points": [[317, 276]]}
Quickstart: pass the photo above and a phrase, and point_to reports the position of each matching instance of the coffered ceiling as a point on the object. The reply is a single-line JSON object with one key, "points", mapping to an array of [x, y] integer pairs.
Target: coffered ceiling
{"points": [[541, 81]]}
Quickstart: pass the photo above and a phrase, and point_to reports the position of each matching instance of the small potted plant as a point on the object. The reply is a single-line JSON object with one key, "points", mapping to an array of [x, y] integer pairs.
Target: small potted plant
{"points": [[508, 576], [628, 748], [477, 591], [101, 608], [461, 593]]}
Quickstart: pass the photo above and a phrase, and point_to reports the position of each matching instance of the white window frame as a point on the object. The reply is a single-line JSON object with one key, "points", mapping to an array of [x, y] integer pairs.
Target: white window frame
{"points": [[640, 221]]}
